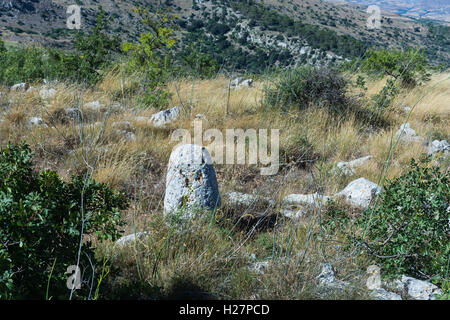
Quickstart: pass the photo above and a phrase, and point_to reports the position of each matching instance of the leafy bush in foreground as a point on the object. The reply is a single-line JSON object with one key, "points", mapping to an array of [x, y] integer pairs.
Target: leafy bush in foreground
{"points": [[41, 219], [409, 230], [306, 86]]}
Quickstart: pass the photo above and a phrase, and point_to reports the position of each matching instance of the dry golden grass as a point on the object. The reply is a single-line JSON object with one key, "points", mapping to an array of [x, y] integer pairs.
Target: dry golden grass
{"points": [[213, 258]]}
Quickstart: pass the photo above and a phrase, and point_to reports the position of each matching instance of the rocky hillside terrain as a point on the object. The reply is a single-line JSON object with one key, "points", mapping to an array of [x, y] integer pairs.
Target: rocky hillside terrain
{"points": [[257, 35], [237, 152]]}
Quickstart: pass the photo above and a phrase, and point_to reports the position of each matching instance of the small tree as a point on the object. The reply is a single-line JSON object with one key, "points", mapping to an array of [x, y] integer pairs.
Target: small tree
{"points": [[409, 67], [96, 49], [152, 55]]}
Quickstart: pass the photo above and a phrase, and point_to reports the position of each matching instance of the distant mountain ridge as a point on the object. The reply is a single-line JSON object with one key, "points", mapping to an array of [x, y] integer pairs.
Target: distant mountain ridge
{"points": [[251, 34]]}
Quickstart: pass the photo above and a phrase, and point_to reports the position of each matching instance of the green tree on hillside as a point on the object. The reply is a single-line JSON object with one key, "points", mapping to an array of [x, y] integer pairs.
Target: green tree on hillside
{"points": [[152, 55], [409, 67], [96, 49]]}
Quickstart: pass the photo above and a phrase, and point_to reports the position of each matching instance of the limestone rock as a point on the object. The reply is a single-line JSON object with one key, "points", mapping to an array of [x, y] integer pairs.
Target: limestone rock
{"points": [[293, 213], [94, 106], [47, 93], [191, 181], [419, 289], [347, 168], [240, 82], [439, 146], [141, 120], [382, 294], [129, 239], [407, 134], [295, 205], [36, 121], [201, 116], [374, 280], [258, 267], [244, 199], [160, 119], [127, 135], [309, 199], [360, 192], [19, 87], [327, 278], [73, 113], [123, 125]]}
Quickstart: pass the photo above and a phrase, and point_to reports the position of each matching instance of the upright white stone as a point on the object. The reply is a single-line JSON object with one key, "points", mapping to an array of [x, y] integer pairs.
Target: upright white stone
{"points": [[191, 181]]}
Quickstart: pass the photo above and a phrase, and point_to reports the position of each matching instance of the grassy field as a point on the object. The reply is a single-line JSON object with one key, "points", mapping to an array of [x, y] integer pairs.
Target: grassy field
{"points": [[210, 259]]}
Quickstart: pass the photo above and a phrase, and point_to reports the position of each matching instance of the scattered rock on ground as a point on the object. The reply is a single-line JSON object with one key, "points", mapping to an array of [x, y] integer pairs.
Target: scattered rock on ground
{"points": [[293, 213], [47, 93], [164, 117], [360, 192], [142, 120], [374, 280], [191, 181], [295, 205], [127, 135], [123, 125], [420, 290], [36, 121], [240, 82], [201, 116], [244, 199], [258, 267], [126, 240], [347, 168], [125, 129], [407, 134], [302, 199], [439, 147], [382, 294], [19, 87], [94, 106], [327, 278]]}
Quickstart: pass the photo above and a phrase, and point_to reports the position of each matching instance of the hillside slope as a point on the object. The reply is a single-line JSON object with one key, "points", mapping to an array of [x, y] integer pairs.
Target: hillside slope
{"points": [[254, 35]]}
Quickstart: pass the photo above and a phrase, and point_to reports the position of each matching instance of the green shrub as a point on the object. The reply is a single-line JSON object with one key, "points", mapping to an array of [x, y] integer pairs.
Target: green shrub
{"points": [[152, 55], [409, 67], [41, 218], [386, 97], [306, 86], [199, 64], [408, 230], [96, 49]]}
